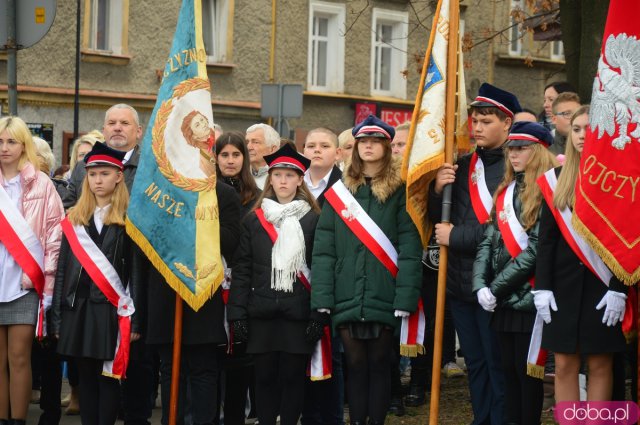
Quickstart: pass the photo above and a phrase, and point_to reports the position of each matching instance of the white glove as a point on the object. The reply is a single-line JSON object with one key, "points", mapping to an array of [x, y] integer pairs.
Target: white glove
{"points": [[543, 299], [401, 313], [615, 302], [47, 301], [486, 299], [324, 310]]}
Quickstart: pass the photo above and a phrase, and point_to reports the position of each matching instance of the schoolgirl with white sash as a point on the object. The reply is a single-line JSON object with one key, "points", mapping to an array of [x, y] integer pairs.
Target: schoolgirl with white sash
{"points": [[367, 269], [30, 213], [580, 301], [92, 305], [503, 272], [269, 300]]}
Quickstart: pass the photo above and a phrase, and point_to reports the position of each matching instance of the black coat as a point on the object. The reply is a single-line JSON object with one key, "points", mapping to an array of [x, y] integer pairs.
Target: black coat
{"points": [[74, 290], [467, 232], [577, 291], [277, 319], [71, 193], [207, 325]]}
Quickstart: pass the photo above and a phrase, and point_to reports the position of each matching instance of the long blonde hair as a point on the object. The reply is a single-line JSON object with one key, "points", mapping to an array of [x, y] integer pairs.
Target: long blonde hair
{"points": [[565, 194], [540, 161], [302, 194], [82, 212], [19, 131]]}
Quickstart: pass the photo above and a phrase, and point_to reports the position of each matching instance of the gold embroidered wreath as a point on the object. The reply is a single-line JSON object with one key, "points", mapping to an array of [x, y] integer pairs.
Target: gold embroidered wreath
{"points": [[157, 138]]}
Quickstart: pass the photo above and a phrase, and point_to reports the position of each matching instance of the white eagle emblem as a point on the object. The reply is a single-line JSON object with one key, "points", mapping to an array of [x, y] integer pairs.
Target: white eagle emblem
{"points": [[351, 212], [616, 90], [505, 213]]}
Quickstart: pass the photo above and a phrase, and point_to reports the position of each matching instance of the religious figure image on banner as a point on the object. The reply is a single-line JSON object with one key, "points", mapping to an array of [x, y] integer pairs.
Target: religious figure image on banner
{"points": [[189, 138]]}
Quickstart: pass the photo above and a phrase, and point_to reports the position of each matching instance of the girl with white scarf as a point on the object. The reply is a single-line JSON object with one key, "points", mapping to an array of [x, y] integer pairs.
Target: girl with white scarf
{"points": [[269, 305]]}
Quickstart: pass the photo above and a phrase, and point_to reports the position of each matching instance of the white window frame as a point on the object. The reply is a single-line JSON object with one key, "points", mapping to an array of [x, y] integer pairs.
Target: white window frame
{"points": [[113, 27], [514, 32], [335, 13], [557, 50], [216, 11], [400, 34]]}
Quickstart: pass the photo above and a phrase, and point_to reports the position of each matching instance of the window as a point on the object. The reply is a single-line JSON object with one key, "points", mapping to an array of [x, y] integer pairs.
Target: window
{"points": [[388, 53], [557, 50], [106, 26], [515, 38], [325, 67], [217, 26]]}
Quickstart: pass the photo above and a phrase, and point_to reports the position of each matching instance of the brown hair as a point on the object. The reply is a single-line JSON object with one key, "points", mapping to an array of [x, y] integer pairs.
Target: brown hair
{"points": [[491, 110], [248, 187], [563, 97], [356, 168], [565, 195], [530, 194]]}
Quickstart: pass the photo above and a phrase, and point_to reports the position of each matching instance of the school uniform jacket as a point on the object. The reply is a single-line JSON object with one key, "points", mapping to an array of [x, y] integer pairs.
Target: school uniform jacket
{"points": [[577, 291]]}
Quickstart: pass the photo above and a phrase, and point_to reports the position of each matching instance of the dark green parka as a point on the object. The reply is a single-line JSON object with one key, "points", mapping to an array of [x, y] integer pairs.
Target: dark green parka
{"points": [[507, 277], [346, 277]]}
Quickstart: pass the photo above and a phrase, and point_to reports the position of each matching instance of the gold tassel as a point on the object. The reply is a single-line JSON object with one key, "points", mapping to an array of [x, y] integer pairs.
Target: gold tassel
{"points": [[535, 371], [411, 350]]}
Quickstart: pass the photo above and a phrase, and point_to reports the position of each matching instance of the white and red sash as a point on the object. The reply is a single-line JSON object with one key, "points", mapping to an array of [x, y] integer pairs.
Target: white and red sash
{"points": [[481, 199], [516, 239], [106, 278], [548, 182], [320, 366], [374, 239], [25, 248]]}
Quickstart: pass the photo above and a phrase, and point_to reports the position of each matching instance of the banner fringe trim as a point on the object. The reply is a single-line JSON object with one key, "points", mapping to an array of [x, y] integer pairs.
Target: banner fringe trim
{"points": [[194, 301], [609, 259], [411, 350], [320, 378]]}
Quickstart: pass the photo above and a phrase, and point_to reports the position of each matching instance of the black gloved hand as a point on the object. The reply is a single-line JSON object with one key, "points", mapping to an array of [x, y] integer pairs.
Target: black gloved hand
{"points": [[240, 331], [315, 330]]}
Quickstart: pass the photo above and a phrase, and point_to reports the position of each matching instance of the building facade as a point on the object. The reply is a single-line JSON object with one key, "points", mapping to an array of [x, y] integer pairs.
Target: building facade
{"points": [[350, 57]]}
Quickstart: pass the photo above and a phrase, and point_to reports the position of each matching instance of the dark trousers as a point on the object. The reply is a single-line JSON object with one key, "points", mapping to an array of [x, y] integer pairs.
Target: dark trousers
{"points": [[50, 380], [368, 365], [99, 395], [200, 368], [482, 356], [523, 394], [238, 378], [280, 380], [324, 400], [137, 388]]}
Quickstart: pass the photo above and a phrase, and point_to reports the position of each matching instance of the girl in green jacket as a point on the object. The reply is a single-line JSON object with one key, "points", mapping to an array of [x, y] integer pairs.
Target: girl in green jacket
{"points": [[505, 264], [366, 298]]}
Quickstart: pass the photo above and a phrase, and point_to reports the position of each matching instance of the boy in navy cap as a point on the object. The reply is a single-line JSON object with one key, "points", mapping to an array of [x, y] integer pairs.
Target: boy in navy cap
{"points": [[475, 178]]}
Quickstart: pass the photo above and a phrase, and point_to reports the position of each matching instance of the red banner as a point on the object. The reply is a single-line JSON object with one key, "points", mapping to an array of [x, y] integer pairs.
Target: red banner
{"points": [[607, 191]]}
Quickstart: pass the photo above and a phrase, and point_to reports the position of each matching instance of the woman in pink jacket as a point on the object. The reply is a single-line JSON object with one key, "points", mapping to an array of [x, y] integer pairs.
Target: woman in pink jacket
{"points": [[30, 215]]}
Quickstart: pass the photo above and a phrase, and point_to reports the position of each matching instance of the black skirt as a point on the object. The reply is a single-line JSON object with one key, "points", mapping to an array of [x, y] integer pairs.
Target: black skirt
{"points": [[89, 330]]}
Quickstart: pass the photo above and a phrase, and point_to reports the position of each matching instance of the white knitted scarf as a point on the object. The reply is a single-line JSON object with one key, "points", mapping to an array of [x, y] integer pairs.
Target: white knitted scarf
{"points": [[288, 253]]}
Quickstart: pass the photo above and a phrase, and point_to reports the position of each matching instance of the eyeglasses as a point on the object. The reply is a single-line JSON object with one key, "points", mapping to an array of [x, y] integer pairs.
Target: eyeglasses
{"points": [[565, 114]]}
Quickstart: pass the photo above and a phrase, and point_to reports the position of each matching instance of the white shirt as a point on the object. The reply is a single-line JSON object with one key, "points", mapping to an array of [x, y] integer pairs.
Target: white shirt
{"points": [[127, 156], [10, 271], [320, 187], [98, 216]]}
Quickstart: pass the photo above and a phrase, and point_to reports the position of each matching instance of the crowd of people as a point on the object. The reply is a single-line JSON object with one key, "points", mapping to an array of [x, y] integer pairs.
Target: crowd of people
{"points": [[323, 263]]}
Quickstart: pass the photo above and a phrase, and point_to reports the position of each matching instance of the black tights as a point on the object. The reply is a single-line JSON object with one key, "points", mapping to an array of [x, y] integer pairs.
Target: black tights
{"points": [[280, 380], [368, 387], [99, 395]]}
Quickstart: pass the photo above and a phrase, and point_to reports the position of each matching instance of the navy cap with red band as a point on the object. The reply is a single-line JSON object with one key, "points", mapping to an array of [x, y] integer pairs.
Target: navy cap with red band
{"points": [[102, 155], [524, 133], [373, 126], [288, 157], [492, 96]]}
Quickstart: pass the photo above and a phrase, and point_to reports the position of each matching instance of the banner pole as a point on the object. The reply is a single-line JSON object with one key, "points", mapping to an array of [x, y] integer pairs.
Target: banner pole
{"points": [[175, 365], [450, 120]]}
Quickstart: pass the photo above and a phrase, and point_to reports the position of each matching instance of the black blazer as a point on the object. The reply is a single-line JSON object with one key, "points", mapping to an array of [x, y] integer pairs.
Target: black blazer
{"points": [[335, 175]]}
